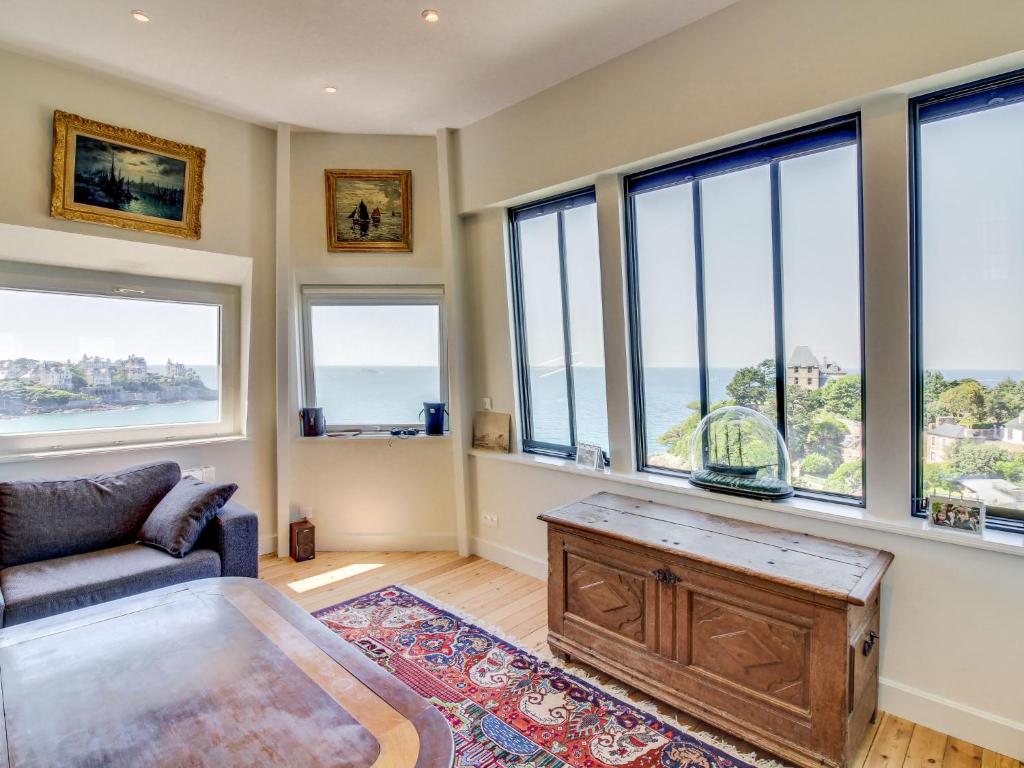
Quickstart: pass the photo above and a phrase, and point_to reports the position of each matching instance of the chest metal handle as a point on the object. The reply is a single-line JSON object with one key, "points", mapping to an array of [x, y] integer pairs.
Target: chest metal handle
{"points": [[869, 642], [665, 576]]}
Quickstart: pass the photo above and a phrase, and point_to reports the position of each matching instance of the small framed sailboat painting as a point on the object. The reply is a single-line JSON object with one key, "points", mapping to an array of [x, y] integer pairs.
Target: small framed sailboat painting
{"points": [[369, 210]]}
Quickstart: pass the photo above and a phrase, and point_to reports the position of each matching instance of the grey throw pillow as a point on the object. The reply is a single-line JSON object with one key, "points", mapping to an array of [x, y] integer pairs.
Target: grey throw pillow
{"points": [[177, 521]]}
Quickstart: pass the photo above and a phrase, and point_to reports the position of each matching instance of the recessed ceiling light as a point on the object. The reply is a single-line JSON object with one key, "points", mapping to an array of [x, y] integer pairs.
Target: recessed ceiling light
{"points": [[140, 16], [430, 15], [330, 89]]}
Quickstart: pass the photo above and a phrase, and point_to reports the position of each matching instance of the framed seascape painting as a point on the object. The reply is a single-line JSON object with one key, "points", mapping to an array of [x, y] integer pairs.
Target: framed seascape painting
{"points": [[369, 210], [124, 178]]}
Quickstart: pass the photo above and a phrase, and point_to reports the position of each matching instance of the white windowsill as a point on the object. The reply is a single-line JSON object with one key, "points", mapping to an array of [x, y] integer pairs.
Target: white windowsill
{"points": [[370, 436], [68, 453], [844, 514]]}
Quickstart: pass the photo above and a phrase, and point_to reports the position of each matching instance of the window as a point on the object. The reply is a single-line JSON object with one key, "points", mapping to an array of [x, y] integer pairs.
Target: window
{"points": [[559, 329], [374, 355], [744, 270], [968, 266], [91, 358]]}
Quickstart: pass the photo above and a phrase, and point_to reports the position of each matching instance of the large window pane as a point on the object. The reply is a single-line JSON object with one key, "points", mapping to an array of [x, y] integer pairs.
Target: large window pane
{"points": [[82, 362], [583, 281], [666, 279], [971, 241], [556, 259], [777, 218], [545, 340], [376, 364], [737, 229], [821, 278]]}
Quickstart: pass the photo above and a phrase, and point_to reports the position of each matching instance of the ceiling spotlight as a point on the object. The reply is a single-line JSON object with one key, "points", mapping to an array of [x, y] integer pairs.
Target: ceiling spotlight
{"points": [[330, 89], [140, 16], [430, 16]]}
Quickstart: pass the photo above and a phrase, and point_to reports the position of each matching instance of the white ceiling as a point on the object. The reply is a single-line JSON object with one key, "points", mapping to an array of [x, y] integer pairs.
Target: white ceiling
{"points": [[268, 60]]}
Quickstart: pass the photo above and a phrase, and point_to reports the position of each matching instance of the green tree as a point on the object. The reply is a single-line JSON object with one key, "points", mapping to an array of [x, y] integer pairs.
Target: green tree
{"points": [[842, 397], [934, 385], [1005, 401], [848, 478], [802, 407], [1012, 469], [754, 387], [967, 459], [816, 464], [826, 437], [966, 401], [677, 439]]}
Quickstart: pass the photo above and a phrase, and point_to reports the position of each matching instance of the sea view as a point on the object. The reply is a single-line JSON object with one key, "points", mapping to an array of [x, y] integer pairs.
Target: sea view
{"points": [[395, 394], [190, 411]]}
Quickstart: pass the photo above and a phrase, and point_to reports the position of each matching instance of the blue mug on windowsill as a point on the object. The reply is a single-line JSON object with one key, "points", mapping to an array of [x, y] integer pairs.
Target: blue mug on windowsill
{"points": [[313, 422], [433, 418]]}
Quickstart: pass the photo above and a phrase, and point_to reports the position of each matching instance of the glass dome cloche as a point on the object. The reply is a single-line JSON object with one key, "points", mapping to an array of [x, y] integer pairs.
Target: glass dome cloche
{"points": [[738, 450]]}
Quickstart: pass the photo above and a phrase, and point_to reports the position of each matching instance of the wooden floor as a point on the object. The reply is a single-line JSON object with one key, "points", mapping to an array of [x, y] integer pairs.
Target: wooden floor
{"points": [[516, 604]]}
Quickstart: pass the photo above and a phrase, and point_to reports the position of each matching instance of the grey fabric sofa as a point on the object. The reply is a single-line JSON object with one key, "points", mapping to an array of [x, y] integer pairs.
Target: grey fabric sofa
{"points": [[70, 543]]}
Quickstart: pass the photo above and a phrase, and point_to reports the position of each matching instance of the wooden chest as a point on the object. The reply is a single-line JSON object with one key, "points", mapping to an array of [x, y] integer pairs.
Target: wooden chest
{"points": [[768, 634]]}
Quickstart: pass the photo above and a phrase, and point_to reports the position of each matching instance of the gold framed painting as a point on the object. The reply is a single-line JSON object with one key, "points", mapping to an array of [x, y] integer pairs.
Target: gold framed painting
{"points": [[369, 210], [123, 178]]}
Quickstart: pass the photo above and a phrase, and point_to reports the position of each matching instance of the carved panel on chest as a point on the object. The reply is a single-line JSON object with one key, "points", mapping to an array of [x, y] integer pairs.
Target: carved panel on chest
{"points": [[754, 651], [605, 596]]}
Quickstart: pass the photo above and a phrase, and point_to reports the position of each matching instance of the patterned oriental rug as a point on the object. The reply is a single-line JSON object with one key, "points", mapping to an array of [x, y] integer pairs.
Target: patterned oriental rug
{"points": [[507, 707]]}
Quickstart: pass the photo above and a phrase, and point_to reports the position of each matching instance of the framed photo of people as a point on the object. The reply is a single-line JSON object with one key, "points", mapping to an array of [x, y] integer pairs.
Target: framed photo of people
{"points": [[963, 515]]}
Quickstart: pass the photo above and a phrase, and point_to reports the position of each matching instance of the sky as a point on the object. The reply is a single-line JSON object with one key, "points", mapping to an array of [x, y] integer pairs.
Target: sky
{"points": [[376, 335], [973, 241], [93, 155], [821, 269], [47, 326], [385, 194]]}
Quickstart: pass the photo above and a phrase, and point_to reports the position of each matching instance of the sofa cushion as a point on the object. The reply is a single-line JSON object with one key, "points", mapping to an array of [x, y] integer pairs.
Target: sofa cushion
{"points": [[174, 526], [44, 519], [34, 590]]}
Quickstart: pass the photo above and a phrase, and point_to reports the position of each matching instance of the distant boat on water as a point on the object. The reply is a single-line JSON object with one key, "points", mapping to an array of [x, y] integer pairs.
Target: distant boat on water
{"points": [[375, 216]]}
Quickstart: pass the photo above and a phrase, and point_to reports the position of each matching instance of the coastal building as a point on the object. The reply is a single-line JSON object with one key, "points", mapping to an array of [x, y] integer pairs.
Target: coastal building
{"points": [[55, 377], [133, 368], [806, 372], [176, 371]]}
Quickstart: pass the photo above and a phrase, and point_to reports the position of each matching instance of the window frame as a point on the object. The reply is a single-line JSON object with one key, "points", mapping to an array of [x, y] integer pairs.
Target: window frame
{"points": [[964, 99], [557, 205], [368, 295], [844, 130], [41, 278]]}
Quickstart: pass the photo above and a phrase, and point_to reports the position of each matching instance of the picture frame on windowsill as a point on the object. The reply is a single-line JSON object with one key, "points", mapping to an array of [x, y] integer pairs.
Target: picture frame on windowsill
{"points": [[961, 515], [589, 456]]}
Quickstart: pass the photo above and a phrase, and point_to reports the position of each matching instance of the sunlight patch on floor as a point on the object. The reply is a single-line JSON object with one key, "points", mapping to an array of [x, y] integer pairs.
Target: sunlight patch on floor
{"points": [[334, 576]]}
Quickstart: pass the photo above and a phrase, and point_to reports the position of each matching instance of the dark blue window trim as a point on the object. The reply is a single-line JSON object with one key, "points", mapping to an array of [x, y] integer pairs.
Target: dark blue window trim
{"points": [[830, 134], [977, 96], [556, 206], [803, 141]]}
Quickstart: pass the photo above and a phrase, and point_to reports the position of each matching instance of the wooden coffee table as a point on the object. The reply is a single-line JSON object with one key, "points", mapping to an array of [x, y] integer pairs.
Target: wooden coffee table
{"points": [[216, 672]]}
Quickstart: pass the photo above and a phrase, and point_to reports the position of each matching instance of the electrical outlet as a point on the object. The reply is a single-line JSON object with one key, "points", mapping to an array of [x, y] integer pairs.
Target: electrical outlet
{"points": [[487, 403], [491, 521]]}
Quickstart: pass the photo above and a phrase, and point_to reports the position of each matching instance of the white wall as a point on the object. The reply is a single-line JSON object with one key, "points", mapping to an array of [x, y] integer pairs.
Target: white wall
{"points": [[370, 493], [237, 219], [953, 615]]}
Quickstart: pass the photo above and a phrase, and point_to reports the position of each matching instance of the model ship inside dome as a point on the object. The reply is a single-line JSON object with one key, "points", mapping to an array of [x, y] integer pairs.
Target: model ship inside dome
{"points": [[738, 450]]}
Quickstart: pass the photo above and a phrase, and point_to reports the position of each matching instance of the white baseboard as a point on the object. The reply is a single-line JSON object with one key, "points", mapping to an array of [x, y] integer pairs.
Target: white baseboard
{"points": [[386, 542], [511, 558], [268, 544], [986, 729]]}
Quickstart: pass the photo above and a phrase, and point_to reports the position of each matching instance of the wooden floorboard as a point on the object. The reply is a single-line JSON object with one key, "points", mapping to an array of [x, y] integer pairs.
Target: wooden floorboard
{"points": [[516, 605]]}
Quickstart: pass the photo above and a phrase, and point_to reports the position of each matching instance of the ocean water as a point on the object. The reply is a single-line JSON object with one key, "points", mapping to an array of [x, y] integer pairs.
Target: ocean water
{"points": [[667, 393], [189, 412], [389, 230], [375, 395]]}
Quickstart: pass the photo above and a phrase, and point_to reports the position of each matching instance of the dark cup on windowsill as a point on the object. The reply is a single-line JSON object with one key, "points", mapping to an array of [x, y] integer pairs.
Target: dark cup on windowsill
{"points": [[313, 423]]}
